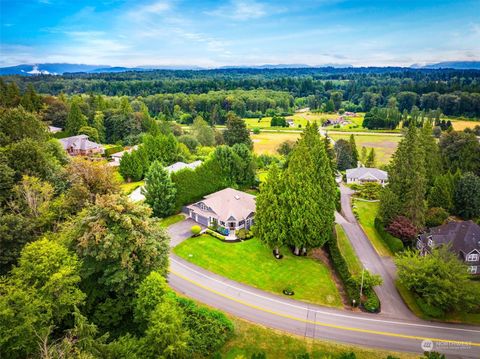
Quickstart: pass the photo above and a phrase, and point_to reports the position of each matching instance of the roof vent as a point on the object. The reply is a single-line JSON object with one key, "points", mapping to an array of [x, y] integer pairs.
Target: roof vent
{"points": [[237, 196]]}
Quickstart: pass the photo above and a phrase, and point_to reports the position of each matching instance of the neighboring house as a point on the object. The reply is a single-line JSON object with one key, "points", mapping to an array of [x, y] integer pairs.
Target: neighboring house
{"points": [[362, 175], [177, 166], [137, 194], [341, 121], [463, 239], [117, 157], [81, 146], [53, 129], [228, 208]]}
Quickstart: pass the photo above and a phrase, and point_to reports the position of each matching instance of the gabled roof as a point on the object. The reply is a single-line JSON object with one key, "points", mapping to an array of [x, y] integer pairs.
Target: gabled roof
{"points": [[462, 236], [80, 142], [182, 165], [367, 173], [228, 203]]}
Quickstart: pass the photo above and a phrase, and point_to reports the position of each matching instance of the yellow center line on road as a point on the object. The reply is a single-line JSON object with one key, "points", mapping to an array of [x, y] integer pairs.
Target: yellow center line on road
{"points": [[376, 332]]}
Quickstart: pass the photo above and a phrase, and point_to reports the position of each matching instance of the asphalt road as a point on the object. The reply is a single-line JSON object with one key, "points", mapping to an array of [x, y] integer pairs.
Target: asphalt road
{"points": [[395, 328], [391, 302], [319, 322]]}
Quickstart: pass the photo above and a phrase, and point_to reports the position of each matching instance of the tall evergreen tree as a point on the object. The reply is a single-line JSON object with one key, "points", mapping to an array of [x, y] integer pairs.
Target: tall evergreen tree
{"points": [[131, 168], [363, 155], [344, 155], [355, 154], [433, 161], [441, 194], [407, 176], [159, 190], [309, 192], [371, 159], [75, 119], [236, 131], [98, 123], [271, 216]]}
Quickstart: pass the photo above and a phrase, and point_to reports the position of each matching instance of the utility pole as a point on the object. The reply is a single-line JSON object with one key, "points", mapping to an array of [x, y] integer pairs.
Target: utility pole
{"points": [[361, 285]]}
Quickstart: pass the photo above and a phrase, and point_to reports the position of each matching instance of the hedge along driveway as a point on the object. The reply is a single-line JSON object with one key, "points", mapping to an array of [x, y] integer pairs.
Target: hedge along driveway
{"points": [[252, 263]]}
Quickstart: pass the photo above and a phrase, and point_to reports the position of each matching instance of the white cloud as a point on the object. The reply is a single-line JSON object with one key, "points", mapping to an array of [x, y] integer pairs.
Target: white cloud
{"points": [[241, 10]]}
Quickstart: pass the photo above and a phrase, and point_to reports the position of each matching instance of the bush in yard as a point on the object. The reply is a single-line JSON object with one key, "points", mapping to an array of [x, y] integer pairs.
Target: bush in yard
{"points": [[372, 304], [436, 216], [196, 230], [394, 243], [370, 191], [256, 130], [401, 227], [243, 234], [209, 329]]}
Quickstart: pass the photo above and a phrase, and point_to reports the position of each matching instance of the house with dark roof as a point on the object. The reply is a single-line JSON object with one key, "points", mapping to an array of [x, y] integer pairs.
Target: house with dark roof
{"points": [[229, 208], [81, 146], [362, 175], [463, 239]]}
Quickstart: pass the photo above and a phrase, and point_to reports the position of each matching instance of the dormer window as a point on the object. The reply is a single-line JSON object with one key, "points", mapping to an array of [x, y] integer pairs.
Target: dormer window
{"points": [[472, 257]]}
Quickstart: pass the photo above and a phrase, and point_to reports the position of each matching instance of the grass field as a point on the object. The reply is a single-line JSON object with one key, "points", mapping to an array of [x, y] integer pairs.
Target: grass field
{"points": [[252, 263], [367, 212], [345, 247], [129, 187], [460, 125], [385, 145], [168, 221], [302, 118], [249, 339]]}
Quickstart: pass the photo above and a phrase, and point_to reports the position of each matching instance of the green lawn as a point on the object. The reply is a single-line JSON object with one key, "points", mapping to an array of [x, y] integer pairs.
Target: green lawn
{"points": [[367, 211], [345, 247], [252, 263], [249, 339], [129, 187], [168, 221]]}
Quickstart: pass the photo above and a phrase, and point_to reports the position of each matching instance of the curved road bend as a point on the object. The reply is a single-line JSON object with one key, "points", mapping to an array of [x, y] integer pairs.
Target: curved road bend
{"points": [[320, 322], [391, 301]]}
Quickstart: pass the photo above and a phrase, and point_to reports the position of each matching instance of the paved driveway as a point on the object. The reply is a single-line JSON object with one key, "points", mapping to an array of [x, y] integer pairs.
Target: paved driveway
{"points": [[181, 231]]}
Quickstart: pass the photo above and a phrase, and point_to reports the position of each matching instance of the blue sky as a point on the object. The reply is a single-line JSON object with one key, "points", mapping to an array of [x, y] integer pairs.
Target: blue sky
{"points": [[238, 32]]}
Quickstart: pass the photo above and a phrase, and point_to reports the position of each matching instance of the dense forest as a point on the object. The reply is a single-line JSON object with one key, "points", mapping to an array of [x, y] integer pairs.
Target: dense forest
{"points": [[251, 92]]}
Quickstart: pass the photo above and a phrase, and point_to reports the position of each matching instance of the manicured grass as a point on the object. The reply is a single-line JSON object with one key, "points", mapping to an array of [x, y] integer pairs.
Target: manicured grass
{"points": [[249, 339], [168, 221], [345, 247], [460, 124], [252, 263], [367, 211], [410, 301], [384, 145], [129, 187]]}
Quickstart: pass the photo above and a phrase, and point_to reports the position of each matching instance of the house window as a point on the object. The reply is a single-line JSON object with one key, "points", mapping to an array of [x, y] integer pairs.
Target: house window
{"points": [[472, 269], [222, 223], [472, 257], [241, 223], [430, 243]]}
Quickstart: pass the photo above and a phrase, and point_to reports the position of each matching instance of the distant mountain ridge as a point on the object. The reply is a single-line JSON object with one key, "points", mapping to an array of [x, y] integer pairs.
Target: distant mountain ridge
{"points": [[457, 65], [62, 68]]}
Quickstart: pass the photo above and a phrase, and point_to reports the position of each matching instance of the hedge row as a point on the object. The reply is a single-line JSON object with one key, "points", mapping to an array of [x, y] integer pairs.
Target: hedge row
{"points": [[194, 185], [215, 234], [111, 150], [395, 244], [341, 267], [372, 303]]}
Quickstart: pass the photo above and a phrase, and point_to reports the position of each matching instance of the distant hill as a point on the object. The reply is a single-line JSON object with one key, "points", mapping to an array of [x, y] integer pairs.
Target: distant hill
{"points": [[285, 66], [457, 65], [62, 68]]}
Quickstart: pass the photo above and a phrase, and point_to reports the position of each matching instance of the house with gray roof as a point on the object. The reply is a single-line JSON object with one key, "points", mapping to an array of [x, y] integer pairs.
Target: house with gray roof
{"points": [[81, 146], [462, 238], [229, 208], [137, 194], [362, 175], [177, 166]]}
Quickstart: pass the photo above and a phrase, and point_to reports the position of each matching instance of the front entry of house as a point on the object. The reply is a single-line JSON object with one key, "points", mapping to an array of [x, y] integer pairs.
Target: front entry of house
{"points": [[232, 225]]}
